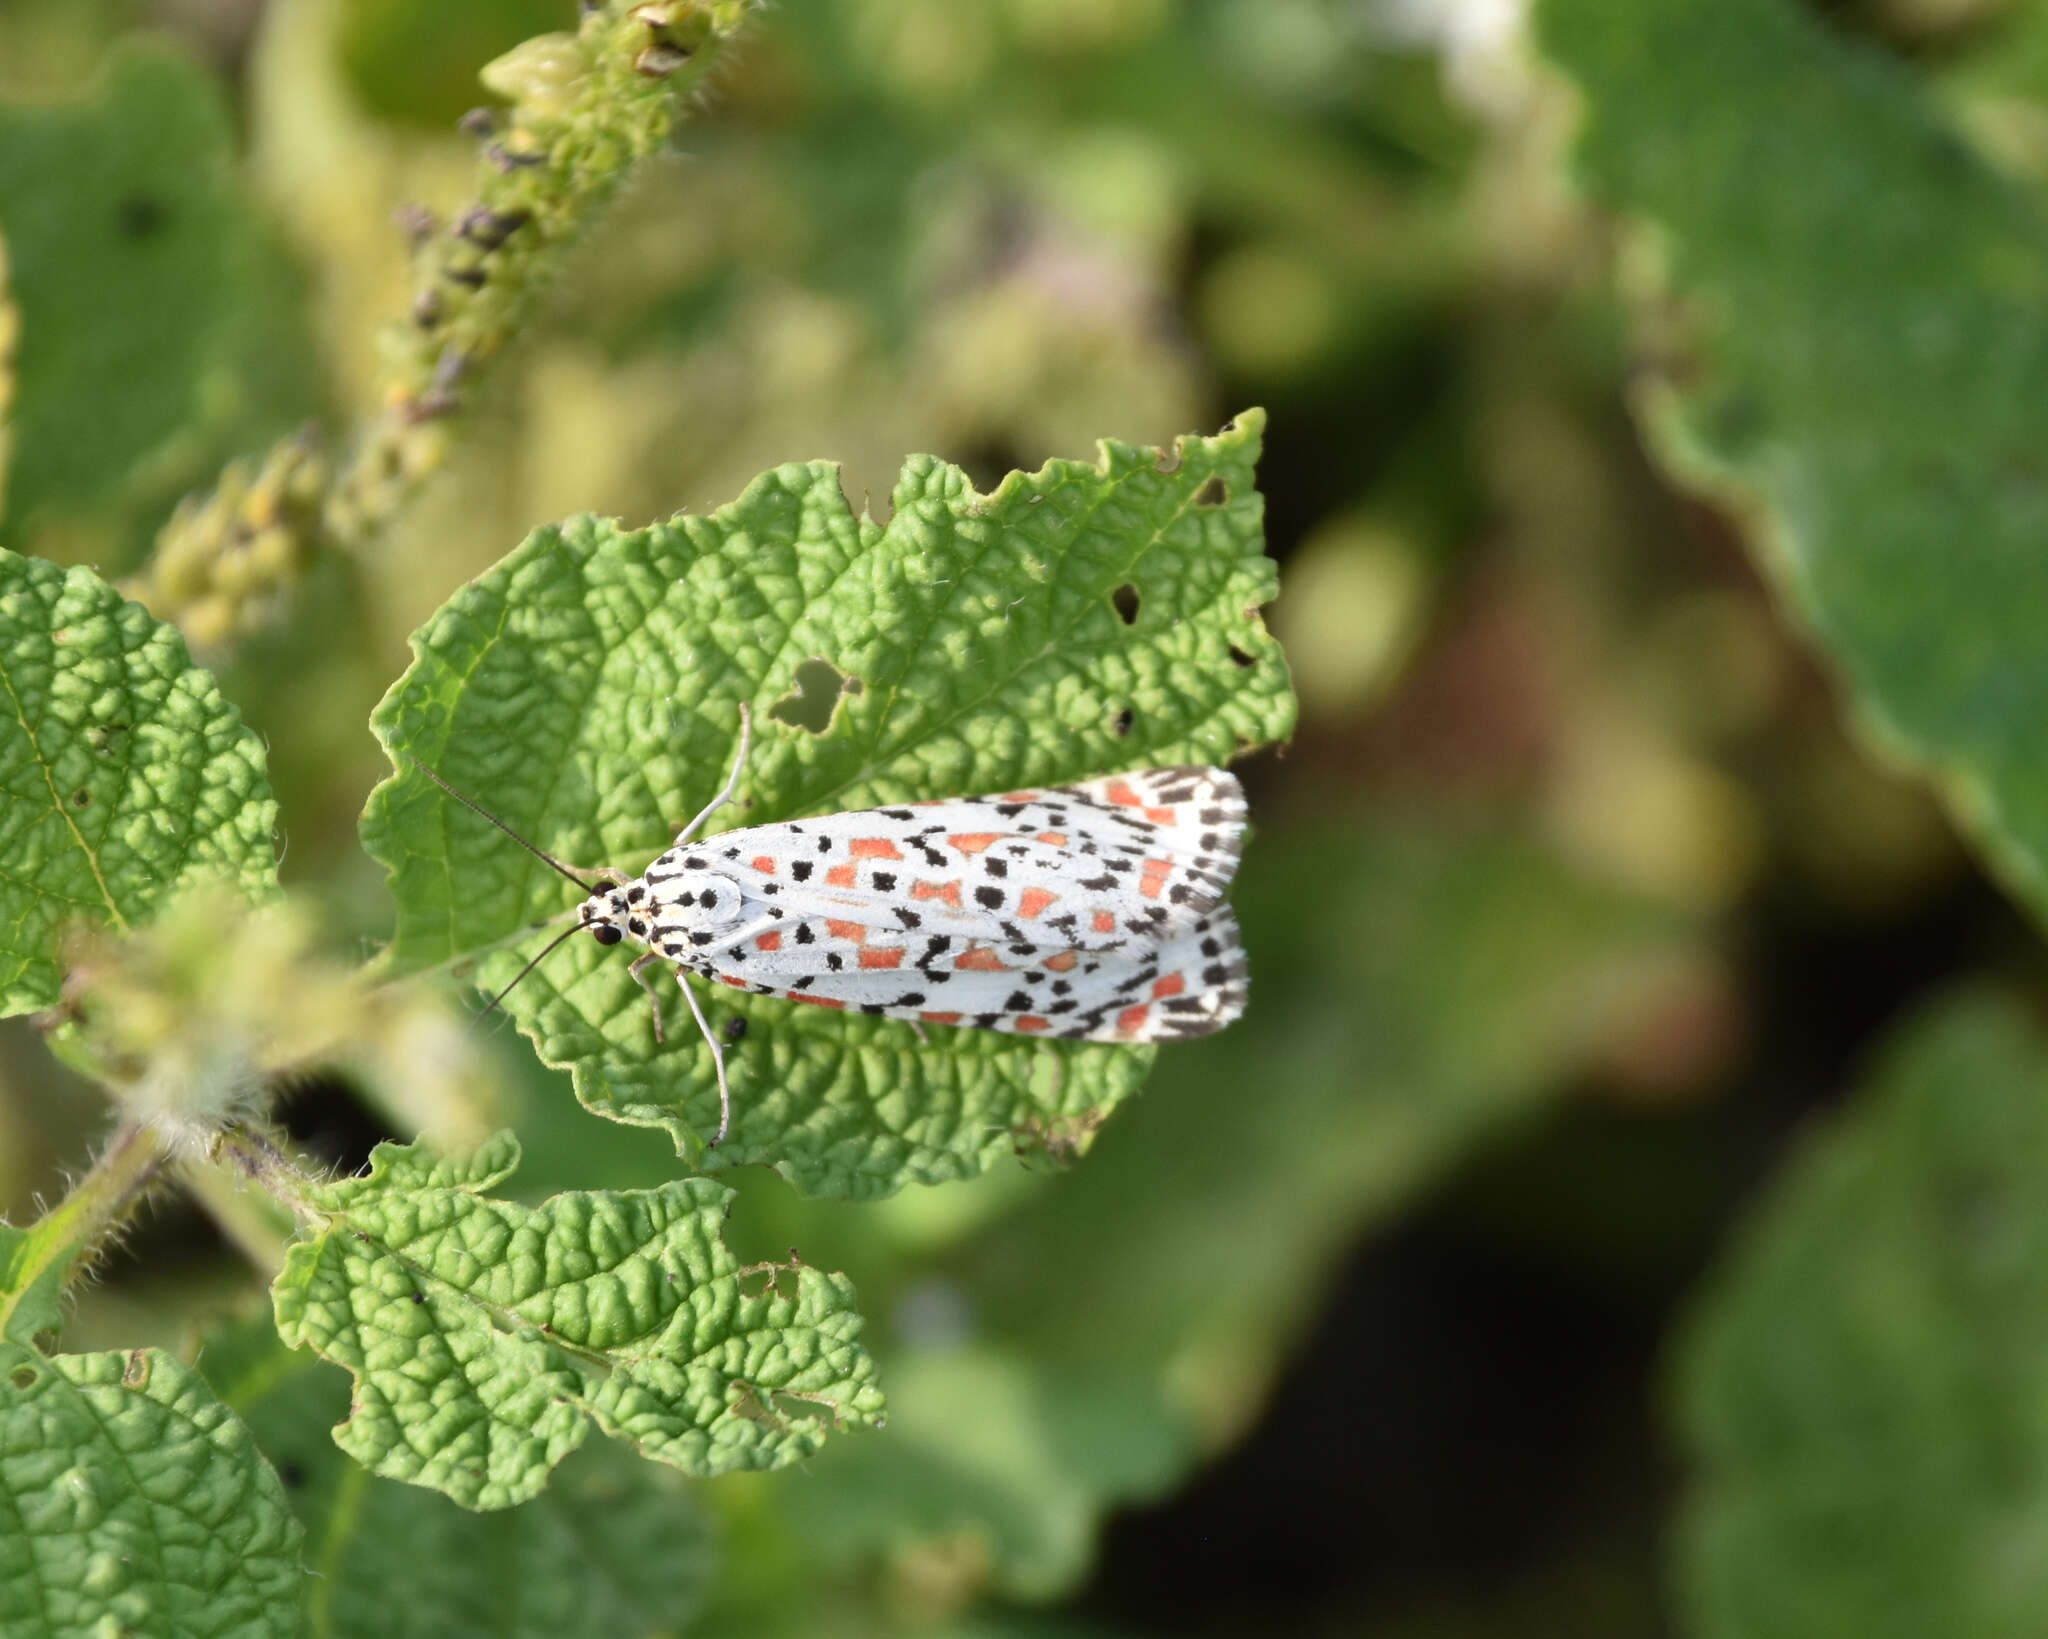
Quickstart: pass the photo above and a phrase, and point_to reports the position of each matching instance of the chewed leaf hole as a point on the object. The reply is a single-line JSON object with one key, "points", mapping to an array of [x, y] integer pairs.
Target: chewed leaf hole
{"points": [[1120, 724], [23, 1377], [1125, 601], [1214, 493], [809, 705], [1239, 658]]}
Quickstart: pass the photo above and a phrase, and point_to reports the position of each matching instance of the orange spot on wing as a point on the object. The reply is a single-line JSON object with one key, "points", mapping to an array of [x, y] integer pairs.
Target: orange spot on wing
{"points": [[974, 842], [840, 876], [1064, 961], [1172, 985], [1157, 873], [882, 956], [1123, 796], [1161, 816], [980, 959], [765, 865], [940, 1018], [769, 941], [728, 979], [1105, 922], [875, 848], [855, 931], [1032, 902], [948, 891], [1132, 1019], [815, 1001], [1053, 839], [1018, 796], [1031, 1021]]}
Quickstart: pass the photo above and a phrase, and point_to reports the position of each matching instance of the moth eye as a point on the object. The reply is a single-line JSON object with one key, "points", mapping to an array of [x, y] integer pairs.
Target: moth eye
{"points": [[605, 934]]}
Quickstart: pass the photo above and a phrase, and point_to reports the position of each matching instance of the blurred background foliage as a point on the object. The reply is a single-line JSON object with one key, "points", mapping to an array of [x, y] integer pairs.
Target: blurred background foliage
{"points": [[1574, 905]]}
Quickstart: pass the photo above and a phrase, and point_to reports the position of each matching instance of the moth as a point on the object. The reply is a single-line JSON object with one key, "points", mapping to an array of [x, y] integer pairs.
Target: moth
{"points": [[1089, 912]]}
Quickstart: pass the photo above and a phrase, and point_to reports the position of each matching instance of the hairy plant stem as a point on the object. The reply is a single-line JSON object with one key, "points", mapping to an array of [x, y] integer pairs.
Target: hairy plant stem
{"points": [[56, 1243], [258, 1156]]}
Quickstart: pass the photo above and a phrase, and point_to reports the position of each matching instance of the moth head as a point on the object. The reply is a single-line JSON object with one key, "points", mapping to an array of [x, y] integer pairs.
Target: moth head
{"points": [[608, 916]]}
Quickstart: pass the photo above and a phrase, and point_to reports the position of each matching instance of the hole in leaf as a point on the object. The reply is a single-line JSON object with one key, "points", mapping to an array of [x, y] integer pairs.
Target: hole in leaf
{"points": [[734, 1029], [81, 798], [1125, 601], [24, 1377], [1120, 724], [1214, 493], [793, 1407], [1168, 461], [814, 696], [1239, 657], [135, 1374]]}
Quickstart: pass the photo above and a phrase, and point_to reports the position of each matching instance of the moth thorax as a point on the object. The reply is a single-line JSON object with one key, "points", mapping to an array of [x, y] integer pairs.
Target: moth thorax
{"points": [[710, 900]]}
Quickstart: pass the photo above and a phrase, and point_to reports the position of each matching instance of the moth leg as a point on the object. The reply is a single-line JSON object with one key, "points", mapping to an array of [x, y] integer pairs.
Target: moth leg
{"points": [[717, 1058], [731, 785], [923, 1040], [638, 970]]}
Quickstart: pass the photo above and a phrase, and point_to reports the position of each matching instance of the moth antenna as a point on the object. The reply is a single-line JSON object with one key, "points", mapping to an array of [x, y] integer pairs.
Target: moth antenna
{"points": [[479, 809], [491, 1006]]}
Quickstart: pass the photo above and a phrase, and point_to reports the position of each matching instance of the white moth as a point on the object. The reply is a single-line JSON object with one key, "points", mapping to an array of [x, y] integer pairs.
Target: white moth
{"points": [[1092, 912]]}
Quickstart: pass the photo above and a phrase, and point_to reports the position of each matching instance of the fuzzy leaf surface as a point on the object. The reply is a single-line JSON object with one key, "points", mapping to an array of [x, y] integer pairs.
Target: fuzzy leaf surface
{"points": [[587, 691], [613, 1546], [1858, 308], [1861, 1392], [124, 774], [485, 1336], [135, 1502]]}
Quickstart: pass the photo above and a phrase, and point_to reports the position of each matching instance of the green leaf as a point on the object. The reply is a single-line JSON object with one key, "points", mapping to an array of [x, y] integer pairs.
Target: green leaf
{"points": [[136, 1503], [123, 773], [984, 1444], [155, 321], [587, 691], [613, 1546], [1862, 1392], [486, 1336], [1862, 315], [32, 1284]]}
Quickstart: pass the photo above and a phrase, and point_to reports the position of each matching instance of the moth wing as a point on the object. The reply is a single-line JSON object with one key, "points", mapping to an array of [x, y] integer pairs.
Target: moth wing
{"points": [[952, 867], [1188, 984], [1191, 816], [1087, 866]]}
